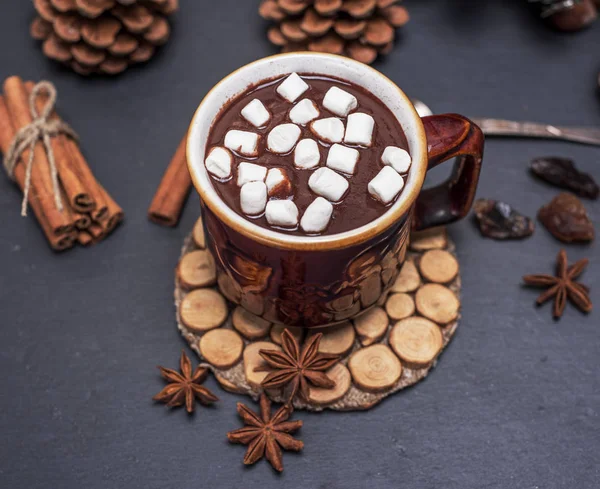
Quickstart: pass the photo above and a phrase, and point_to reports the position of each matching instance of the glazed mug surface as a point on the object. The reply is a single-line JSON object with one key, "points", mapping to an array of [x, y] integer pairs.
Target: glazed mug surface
{"points": [[319, 280]]}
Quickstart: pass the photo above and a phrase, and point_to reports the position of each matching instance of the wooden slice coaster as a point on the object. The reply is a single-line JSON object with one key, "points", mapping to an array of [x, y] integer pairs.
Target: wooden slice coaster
{"points": [[431, 239], [400, 336], [400, 306], [336, 340], [375, 368], [253, 360], [341, 376], [371, 325], [197, 269], [250, 326], [277, 329], [417, 341], [203, 309], [221, 347], [438, 266], [437, 303], [408, 279]]}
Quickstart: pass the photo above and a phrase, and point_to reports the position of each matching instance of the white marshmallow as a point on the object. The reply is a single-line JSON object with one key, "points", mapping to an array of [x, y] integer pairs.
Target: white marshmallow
{"points": [[253, 198], [330, 130], [306, 154], [282, 213], [304, 112], [243, 142], [339, 101], [316, 216], [218, 162], [342, 159], [359, 129], [329, 184], [283, 137], [278, 183], [397, 158], [256, 113], [386, 185], [249, 172], [292, 87]]}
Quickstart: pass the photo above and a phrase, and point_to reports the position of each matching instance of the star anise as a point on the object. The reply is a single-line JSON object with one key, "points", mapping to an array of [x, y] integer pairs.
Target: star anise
{"points": [[296, 368], [184, 387], [563, 286], [266, 435]]}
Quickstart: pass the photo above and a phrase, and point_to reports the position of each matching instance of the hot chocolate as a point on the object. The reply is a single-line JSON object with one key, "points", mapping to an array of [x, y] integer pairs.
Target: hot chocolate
{"points": [[307, 155]]}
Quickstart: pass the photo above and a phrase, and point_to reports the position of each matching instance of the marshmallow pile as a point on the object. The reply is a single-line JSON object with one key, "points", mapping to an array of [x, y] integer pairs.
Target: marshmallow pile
{"points": [[268, 191]]}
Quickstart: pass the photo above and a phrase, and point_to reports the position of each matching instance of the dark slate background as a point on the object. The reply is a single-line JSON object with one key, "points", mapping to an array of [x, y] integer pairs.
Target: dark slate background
{"points": [[514, 401]]}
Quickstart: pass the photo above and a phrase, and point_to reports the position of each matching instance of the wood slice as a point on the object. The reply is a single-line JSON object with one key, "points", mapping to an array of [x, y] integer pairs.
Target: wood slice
{"points": [[198, 234], [197, 269], [228, 288], [437, 303], [253, 360], [430, 239], [375, 368], [277, 330], [439, 266], [228, 385], [202, 310], [371, 325], [400, 306], [341, 376], [221, 347], [249, 325], [337, 340], [417, 341], [408, 279]]}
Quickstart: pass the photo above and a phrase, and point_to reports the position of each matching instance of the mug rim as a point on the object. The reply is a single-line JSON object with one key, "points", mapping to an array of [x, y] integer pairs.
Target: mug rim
{"points": [[278, 239]]}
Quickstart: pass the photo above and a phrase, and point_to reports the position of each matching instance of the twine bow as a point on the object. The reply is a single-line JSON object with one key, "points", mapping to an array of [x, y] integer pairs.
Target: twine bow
{"points": [[27, 137]]}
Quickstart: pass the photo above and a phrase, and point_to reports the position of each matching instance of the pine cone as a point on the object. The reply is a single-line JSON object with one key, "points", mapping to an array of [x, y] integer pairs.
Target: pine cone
{"points": [[360, 29], [102, 36]]}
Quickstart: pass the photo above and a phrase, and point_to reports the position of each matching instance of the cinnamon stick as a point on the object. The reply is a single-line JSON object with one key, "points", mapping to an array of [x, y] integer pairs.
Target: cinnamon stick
{"points": [[173, 190], [85, 239], [114, 214], [17, 103], [58, 242], [76, 192]]}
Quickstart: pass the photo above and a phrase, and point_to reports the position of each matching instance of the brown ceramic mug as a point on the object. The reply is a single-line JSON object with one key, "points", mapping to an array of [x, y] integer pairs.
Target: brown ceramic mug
{"points": [[315, 281]]}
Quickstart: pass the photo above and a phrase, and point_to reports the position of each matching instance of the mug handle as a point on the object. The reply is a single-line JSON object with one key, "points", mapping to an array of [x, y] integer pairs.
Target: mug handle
{"points": [[450, 136]]}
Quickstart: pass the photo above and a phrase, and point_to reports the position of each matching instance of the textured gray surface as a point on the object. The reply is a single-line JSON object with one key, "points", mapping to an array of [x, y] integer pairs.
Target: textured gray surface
{"points": [[515, 400]]}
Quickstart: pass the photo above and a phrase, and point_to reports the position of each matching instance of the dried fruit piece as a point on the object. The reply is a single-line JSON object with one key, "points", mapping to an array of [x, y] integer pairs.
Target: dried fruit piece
{"points": [[498, 220], [437, 303], [562, 173], [338, 374], [417, 341], [375, 368], [400, 306], [221, 347], [439, 266], [203, 309], [371, 325], [566, 219]]}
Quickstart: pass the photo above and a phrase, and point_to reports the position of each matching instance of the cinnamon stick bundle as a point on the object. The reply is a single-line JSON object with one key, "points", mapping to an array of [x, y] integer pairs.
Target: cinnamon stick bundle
{"points": [[173, 190], [68, 207]]}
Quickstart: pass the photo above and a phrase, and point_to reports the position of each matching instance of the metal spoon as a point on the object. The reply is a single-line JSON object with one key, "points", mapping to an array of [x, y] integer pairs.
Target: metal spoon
{"points": [[503, 128]]}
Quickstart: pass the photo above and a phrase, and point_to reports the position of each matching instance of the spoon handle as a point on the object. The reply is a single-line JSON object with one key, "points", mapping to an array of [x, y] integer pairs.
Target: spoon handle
{"points": [[498, 127]]}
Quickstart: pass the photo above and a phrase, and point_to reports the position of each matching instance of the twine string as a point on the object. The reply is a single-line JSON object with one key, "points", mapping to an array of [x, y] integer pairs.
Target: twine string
{"points": [[27, 137]]}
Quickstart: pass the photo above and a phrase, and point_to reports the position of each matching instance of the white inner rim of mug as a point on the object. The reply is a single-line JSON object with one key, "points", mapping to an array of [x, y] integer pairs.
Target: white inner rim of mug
{"points": [[321, 64]]}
